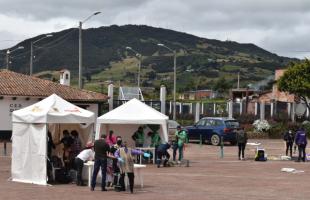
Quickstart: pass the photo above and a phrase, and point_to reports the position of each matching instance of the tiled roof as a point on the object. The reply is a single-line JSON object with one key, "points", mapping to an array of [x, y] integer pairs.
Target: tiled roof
{"points": [[15, 84]]}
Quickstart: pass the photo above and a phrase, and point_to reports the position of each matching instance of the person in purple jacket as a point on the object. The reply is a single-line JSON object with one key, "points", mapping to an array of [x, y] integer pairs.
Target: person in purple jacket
{"points": [[125, 157], [301, 142]]}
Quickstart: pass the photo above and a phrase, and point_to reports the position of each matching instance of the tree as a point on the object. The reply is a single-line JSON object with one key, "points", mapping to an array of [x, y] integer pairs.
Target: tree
{"points": [[296, 80], [222, 85]]}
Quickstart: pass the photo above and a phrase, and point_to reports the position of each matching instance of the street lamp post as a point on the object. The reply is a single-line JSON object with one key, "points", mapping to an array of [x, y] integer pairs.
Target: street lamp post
{"points": [[174, 77], [139, 56], [31, 51], [80, 47], [8, 52]]}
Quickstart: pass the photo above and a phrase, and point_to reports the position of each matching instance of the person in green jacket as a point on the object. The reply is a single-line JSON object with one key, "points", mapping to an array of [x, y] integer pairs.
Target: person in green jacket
{"points": [[155, 142], [138, 137], [181, 137]]}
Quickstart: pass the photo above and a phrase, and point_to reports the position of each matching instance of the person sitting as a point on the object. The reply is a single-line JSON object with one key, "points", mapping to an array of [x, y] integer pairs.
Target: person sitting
{"points": [[85, 155], [162, 151]]}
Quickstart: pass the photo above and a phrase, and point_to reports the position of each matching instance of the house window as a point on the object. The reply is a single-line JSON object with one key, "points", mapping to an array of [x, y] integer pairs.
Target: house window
{"points": [[67, 76]]}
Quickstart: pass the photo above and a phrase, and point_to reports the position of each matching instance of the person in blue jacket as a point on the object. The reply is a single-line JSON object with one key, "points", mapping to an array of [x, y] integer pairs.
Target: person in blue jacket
{"points": [[301, 142], [162, 151]]}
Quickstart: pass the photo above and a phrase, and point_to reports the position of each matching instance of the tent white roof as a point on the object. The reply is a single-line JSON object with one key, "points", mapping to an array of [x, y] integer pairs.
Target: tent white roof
{"points": [[53, 109], [125, 119], [29, 136], [133, 112]]}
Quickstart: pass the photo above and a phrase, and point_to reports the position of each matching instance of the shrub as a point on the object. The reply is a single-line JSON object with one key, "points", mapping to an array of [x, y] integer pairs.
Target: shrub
{"points": [[245, 118], [261, 126]]}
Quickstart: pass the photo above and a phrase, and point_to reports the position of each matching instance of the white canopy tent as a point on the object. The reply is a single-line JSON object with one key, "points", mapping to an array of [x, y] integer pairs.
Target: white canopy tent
{"points": [[125, 120], [29, 135]]}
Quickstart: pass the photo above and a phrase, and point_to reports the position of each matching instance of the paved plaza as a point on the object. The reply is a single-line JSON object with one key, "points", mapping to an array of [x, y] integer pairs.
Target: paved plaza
{"points": [[208, 177]]}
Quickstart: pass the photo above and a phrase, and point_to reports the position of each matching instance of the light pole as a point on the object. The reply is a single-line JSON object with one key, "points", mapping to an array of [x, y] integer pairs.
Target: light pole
{"points": [[31, 51], [8, 52], [80, 47], [139, 56], [174, 76]]}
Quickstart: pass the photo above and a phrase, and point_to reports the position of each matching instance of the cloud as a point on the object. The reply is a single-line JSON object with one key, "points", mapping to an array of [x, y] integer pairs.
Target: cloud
{"points": [[282, 26]]}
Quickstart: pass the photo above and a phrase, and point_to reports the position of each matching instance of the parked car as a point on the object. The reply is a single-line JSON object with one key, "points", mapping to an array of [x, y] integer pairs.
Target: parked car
{"points": [[172, 127], [212, 129]]}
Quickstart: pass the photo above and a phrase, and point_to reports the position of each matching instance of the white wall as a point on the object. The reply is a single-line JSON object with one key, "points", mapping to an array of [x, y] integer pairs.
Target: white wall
{"points": [[8, 105]]}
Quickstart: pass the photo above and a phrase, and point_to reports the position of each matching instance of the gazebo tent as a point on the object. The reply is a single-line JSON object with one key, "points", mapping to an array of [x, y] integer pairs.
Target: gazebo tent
{"points": [[29, 135], [125, 119]]}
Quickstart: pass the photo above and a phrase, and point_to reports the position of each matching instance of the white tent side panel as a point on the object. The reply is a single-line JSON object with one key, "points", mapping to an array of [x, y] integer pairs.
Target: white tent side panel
{"points": [[29, 153]]}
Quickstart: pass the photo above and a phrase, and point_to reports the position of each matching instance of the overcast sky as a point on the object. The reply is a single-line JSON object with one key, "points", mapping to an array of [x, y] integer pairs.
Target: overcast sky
{"points": [[279, 26]]}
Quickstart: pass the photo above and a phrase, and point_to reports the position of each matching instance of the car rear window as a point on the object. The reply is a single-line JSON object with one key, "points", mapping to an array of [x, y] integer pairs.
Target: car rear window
{"points": [[232, 124]]}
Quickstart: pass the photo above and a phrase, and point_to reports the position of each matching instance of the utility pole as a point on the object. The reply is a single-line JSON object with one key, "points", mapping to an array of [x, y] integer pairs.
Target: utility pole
{"points": [[238, 86]]}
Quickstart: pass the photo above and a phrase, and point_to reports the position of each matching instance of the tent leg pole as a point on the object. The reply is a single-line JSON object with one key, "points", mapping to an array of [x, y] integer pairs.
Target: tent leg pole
{"points": [[4, 148]]}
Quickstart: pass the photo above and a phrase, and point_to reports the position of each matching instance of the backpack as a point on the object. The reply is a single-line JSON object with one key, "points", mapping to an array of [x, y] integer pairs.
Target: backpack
{"points": [[61, 176]]}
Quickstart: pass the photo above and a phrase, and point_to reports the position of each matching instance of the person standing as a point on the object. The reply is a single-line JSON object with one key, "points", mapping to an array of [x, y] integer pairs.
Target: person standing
{"points": [[101, 153], [126, 163], [67, 142], [76, 147], [85, 155], [138, 137], [111, 139], [301, 142], [155, 142], [116, 170], [50, 145], [289, 140], [242, 139], [181, 137]]}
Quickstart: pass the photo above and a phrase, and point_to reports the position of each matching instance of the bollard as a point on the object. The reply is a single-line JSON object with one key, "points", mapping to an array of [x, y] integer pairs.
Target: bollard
{"points": [[200, 140], [222, 147], [187, 163]]}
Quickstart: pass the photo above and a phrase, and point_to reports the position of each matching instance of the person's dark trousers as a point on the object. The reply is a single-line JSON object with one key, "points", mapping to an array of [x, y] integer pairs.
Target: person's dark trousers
{"points": [[302, 152], [180, 148], [156, 147], [116, 172], [99, 163], [241, 147], [289, 146], [167, 155], [79, 168], [159, 157], [175, 148], [131, 178]]}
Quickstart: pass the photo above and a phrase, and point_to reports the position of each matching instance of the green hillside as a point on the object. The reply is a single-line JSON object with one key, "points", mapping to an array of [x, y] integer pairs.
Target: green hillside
{"points": [[200, 61]]}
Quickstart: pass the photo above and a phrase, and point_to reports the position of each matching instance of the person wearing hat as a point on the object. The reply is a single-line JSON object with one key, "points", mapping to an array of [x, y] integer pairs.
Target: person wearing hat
{"points": [[289, 140], [85, 155]]}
